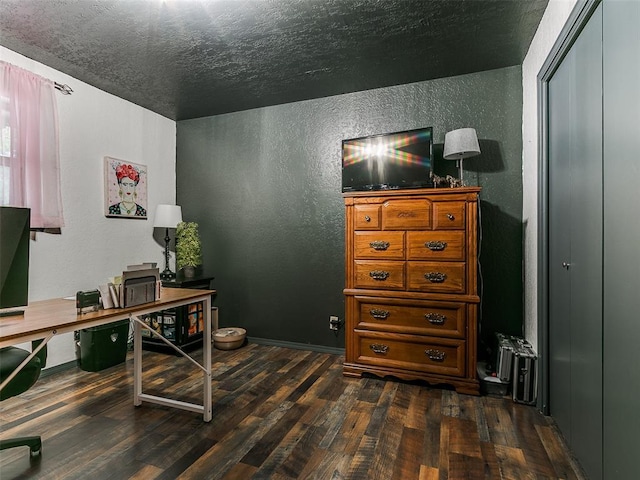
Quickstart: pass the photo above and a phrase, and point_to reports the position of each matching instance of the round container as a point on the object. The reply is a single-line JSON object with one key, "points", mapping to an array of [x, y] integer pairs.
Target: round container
{"points": [[229, 338]]}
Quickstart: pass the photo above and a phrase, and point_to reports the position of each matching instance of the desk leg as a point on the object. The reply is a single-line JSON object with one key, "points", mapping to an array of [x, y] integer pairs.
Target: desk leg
{"points": [[206, 343], [137, 364]]}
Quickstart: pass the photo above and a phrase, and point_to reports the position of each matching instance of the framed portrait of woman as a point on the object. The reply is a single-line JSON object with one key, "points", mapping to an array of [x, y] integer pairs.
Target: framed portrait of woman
{"points": [[125, 189]]}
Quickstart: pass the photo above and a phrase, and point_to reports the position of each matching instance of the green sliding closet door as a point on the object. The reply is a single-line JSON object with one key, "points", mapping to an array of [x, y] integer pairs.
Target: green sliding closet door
{"points": [[575, 246], [621, 318]]}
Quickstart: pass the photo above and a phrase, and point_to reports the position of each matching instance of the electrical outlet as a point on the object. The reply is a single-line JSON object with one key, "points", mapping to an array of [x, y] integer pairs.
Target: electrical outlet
{"points": [[334, 322]]}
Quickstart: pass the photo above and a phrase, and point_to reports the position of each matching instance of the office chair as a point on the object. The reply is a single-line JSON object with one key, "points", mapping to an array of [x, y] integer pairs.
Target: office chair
{"points": [[10, 358]]}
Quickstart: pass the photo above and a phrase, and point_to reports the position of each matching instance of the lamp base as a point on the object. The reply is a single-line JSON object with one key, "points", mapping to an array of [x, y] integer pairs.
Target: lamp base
{"points": [[167, 275], [460, 169]]}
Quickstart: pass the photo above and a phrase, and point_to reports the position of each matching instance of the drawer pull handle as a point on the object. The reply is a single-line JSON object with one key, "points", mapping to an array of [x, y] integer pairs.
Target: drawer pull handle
{"points": [[435, 318], [379, 275], [379, 314], [367, 218], [451, 217], [435, 355], [435, 277], [379, 245], [436, 246], [379, 348]]}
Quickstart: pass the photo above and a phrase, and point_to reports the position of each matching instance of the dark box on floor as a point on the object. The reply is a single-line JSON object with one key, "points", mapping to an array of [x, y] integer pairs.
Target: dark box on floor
{"points": [[491, 385], [503, 358], [102, 347], [525, 373]]}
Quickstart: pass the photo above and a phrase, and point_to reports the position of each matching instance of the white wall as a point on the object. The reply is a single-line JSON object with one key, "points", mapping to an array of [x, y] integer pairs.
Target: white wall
{"points": [[554, 19], [95, 124]]}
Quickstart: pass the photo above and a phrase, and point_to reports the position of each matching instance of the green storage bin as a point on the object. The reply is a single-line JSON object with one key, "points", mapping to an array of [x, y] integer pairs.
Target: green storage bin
{"points": [[102, 347]]}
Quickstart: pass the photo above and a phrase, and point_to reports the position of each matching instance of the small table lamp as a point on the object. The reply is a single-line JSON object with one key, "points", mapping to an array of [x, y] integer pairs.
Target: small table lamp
{"points": [[460, 144], [167, 216]]}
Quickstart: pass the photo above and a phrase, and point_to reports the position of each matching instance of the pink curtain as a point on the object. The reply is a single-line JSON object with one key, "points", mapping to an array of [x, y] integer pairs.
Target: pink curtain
{"points": [[30, 162]]}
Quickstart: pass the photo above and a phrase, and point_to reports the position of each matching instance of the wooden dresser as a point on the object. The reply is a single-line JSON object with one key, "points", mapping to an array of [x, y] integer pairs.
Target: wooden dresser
{"points": [[411, 285]]}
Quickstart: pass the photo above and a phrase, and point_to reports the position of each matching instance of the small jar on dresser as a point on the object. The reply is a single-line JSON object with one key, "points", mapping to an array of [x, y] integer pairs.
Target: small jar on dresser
{"points": [[411, 291]]}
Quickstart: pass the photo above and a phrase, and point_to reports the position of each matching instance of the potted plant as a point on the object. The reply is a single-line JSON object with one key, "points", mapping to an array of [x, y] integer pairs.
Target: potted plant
{"points": [[188, 248]]}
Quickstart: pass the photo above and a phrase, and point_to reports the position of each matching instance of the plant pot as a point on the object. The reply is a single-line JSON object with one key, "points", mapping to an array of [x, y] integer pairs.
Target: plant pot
{"points": [[189, 271]]}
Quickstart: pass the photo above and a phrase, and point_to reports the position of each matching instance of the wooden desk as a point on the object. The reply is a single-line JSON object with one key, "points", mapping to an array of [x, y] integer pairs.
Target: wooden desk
{"points": [[47, 318]]}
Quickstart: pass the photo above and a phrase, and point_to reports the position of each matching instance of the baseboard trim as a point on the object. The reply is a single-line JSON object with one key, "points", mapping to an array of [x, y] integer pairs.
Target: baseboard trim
{"points": [[260, 341], [296, 346], [58, 368]]}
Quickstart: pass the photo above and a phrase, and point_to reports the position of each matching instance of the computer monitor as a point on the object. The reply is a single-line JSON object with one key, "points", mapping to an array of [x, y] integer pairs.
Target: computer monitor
{"points": [[14, 259]]}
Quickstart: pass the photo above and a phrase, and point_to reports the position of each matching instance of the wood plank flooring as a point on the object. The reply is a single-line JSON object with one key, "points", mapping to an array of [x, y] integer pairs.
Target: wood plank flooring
{"points": [[278, 413]]}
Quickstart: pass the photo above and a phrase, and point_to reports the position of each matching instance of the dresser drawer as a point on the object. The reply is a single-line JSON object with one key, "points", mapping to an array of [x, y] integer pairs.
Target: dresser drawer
{"points": [[389, 245], [433, 355], [449, 215], [406, 215], [379, 274], [366, 217], [447, 319], [446, 277], [435, 245]]}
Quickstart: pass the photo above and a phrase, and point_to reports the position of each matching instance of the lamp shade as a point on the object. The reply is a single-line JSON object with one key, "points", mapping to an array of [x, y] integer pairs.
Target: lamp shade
{"points": [[461, 143], [168, 216]]}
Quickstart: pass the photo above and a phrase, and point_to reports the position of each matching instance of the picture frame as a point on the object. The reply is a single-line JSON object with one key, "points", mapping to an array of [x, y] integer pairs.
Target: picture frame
{"points": [[125, 189]]}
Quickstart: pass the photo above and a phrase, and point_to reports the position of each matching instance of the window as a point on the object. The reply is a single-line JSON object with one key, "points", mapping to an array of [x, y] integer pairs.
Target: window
{"points": [[29, 156], [5, 151]]}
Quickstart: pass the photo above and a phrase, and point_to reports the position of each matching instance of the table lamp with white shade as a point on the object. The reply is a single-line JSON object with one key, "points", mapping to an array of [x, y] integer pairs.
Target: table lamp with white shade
{"points": [[167, 216], [460, 144]]}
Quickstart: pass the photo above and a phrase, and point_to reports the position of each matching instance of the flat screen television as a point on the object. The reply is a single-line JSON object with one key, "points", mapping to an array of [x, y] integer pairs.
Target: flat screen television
{"points": [[389, 161], [14, 259]]}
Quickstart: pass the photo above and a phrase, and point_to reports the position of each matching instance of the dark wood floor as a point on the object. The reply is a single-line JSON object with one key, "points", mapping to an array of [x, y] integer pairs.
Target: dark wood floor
{"points": [[278, 413]]}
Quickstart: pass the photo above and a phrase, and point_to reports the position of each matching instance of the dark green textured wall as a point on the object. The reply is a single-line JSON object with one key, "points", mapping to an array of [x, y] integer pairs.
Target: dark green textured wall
{"points": [[265, 187]]}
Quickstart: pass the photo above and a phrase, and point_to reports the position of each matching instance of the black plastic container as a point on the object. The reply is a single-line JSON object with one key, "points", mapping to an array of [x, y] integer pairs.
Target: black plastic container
{"points": [[102, 347]]}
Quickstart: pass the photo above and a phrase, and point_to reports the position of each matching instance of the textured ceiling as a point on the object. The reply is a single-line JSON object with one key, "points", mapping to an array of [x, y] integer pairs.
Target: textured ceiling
{"points": [[193, 58]]}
